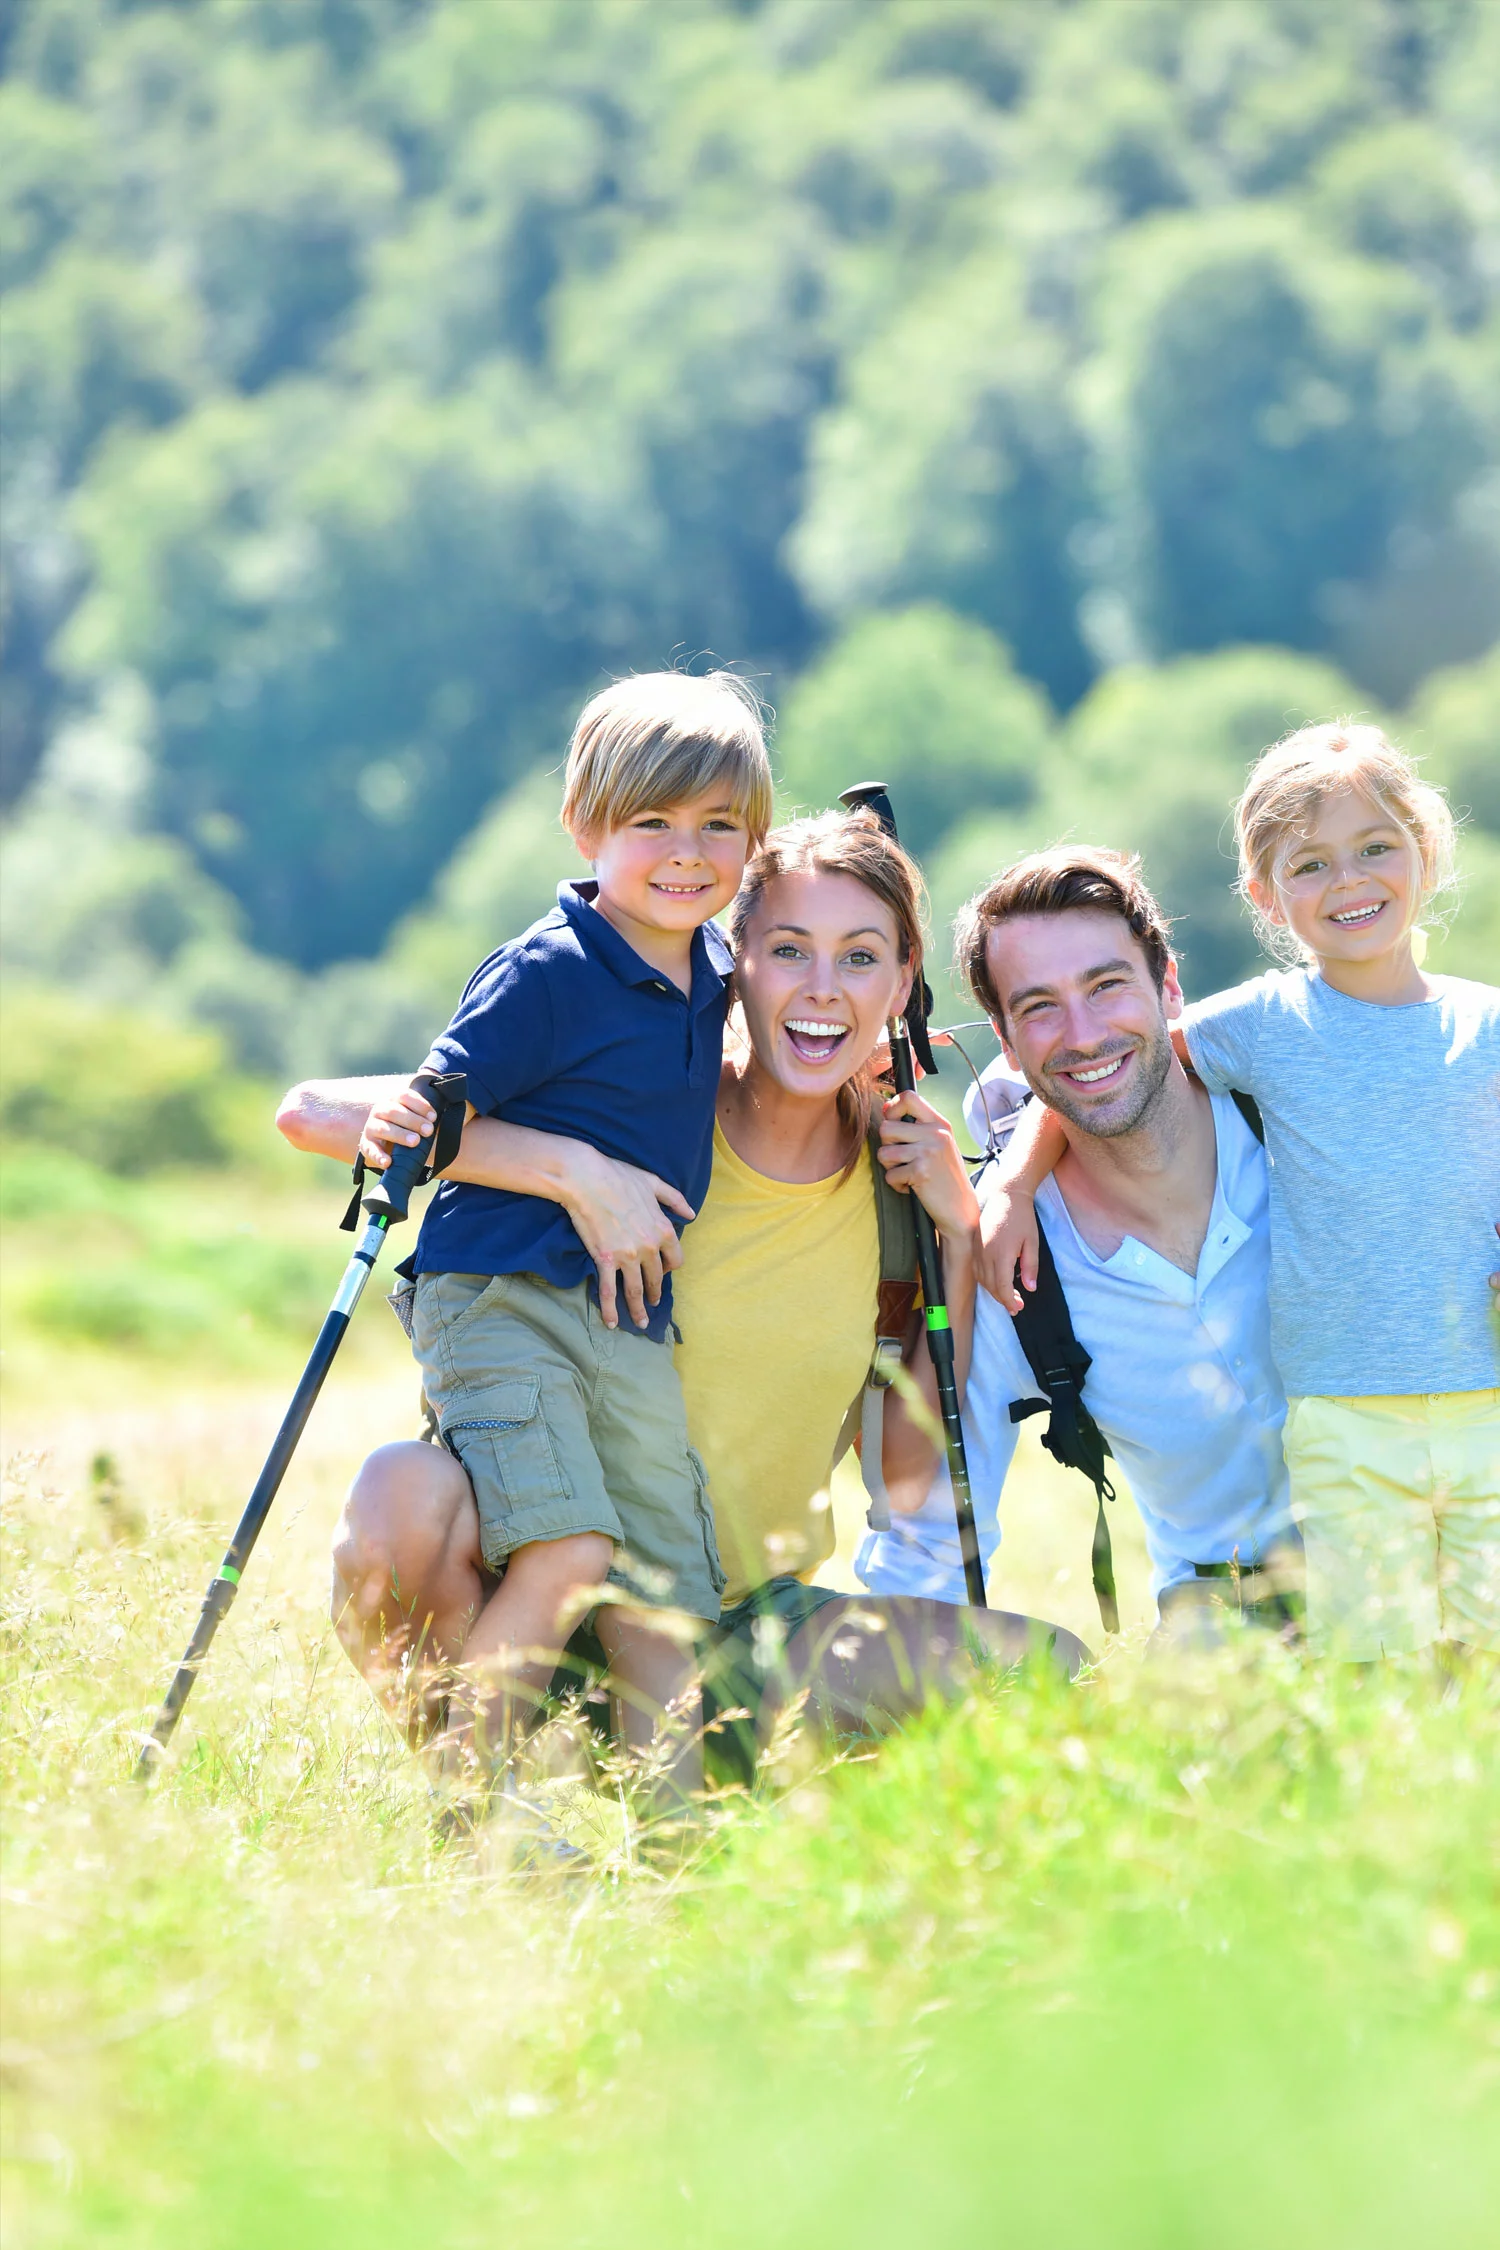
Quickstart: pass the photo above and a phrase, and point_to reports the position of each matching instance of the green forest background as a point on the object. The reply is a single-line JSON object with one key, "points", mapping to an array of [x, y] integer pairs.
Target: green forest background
{"points": [[1047, 403]]}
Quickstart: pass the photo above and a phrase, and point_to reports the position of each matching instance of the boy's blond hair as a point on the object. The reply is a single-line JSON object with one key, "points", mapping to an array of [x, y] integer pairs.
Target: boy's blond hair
{"points": [[1291, 779], [663, 738]]}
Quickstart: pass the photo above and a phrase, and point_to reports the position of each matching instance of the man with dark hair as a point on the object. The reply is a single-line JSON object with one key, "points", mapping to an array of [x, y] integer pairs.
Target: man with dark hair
{"points": [[1156, 1215]]}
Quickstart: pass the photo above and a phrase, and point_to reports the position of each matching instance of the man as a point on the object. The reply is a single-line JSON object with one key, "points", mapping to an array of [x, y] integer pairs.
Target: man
{"points": [[1156, 1213]]}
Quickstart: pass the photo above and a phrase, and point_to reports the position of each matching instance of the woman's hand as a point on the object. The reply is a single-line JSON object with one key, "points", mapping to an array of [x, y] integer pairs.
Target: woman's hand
{"points": [[400, 1121], [919, 1154], [1008, 1239], [617, 1210]]}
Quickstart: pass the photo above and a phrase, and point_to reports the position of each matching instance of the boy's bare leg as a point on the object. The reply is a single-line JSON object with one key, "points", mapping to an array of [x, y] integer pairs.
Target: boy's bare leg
{"points": [[656, 1692], [513, 1648]]}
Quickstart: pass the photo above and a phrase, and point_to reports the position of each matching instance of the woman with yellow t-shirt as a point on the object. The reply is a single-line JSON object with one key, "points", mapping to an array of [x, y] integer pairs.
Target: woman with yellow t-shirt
{"points": [[775, 1296]]}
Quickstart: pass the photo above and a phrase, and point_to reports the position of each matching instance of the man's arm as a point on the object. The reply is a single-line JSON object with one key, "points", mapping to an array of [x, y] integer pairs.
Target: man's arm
{"points": [[1008, 1242]]}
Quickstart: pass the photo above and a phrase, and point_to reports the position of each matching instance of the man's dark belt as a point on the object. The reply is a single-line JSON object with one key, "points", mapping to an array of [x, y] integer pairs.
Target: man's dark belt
{"points": [[1287, 1605]]}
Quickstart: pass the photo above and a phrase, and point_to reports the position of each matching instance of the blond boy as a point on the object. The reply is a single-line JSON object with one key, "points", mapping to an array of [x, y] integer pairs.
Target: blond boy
{"points": [[603, 1023]]}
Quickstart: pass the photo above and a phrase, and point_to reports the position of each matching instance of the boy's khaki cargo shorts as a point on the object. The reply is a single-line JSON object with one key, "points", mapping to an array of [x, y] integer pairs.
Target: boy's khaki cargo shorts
{"points": [[565, 1426]]}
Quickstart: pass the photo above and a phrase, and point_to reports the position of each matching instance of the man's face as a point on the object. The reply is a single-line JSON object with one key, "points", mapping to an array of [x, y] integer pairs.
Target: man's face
{"points": [[1083, 1018]]}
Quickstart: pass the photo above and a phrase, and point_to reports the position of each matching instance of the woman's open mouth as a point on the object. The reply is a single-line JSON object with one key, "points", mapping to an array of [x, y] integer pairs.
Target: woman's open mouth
{"points": [[1358, 917], [814, 1042]]}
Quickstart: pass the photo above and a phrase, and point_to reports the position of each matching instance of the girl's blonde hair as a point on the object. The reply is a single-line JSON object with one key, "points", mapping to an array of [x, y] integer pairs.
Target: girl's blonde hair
{"points": [[661, 739], [837, 843], [1291, 780]]}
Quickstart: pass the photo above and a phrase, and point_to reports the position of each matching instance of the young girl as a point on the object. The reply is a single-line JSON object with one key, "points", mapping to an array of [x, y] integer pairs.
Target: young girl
{"points": [[1379, 1087], [1380, 1091]]}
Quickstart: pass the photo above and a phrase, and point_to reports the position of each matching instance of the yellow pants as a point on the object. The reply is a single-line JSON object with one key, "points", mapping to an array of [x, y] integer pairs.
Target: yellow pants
{"points": [[1399, 1503]]}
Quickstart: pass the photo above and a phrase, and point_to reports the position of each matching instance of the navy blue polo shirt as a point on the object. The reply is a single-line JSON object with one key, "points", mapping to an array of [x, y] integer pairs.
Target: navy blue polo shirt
{"points": [[568, 1030]]}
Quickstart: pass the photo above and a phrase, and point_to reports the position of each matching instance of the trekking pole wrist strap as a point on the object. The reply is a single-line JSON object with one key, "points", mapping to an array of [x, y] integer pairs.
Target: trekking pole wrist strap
{"points": [[448, 1093]]}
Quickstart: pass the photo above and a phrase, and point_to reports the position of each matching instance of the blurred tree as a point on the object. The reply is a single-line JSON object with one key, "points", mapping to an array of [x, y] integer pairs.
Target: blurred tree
{"points": [[350, 620], [243, 173], [124, 1091], [1251, 384], [1464, 936], [925, 701], [699, 354], [954, 468], [1454, 727], [380, 374], [1404, 193], [501, 879]]}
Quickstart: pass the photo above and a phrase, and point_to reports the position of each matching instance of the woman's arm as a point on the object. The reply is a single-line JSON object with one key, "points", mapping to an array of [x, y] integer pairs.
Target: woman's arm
{"points": [[919, 1154], [326, 1116]]}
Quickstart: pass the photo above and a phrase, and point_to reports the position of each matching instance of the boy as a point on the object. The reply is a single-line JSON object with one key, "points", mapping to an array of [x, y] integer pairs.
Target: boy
{"points": [[603, 1022]]}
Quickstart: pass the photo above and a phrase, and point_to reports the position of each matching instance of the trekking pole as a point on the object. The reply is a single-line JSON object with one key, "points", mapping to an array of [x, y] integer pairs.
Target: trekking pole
{"points": [[384, 1205], [907, 1032]]}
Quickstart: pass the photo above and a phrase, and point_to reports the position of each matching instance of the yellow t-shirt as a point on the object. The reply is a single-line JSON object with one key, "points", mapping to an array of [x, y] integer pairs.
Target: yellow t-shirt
{"points": [[776, 1303]]}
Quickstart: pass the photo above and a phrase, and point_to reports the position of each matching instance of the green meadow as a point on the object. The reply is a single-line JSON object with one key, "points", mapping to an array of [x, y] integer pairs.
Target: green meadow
{"points": [[1175, 1957]]}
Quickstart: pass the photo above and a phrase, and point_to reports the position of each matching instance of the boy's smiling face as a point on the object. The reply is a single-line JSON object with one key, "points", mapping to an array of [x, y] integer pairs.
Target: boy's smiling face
{"points": [[668, 871]]}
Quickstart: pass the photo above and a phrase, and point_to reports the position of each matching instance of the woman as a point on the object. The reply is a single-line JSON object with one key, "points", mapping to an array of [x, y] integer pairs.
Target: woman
{"points": [[775, 1297]]}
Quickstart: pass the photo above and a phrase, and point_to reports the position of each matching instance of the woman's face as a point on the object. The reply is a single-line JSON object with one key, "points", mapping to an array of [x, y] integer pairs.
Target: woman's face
{"points": [[819, 971]]}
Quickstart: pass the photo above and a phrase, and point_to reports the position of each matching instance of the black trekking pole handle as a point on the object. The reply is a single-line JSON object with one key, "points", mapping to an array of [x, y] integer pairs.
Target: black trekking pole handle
{"points": [[385, 1204], [940, 1344]]}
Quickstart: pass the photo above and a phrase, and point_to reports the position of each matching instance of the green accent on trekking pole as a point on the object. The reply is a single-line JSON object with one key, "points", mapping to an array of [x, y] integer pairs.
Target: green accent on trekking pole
{"points": [[937, 1317], [227, 1570]]}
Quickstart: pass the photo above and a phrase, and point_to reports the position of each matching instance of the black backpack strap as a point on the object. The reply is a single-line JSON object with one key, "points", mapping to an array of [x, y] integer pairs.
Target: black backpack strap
{"points": [[1044, 1329], [1249, 1109], [448, 1092]]}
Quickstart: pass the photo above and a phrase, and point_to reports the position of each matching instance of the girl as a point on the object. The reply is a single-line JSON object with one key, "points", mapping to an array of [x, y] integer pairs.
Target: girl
{"points": [[1380, 1090]]}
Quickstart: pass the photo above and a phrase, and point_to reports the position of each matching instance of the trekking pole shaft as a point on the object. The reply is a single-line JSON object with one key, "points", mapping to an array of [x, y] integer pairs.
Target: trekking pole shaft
{"points": [[225, 1584], [940, 1347]]}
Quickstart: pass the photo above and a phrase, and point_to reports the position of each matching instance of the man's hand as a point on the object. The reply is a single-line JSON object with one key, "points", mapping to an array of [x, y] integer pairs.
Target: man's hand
{"points": [[401, 1121], [618, 1212], [920, 1156], [1008, 1243]]}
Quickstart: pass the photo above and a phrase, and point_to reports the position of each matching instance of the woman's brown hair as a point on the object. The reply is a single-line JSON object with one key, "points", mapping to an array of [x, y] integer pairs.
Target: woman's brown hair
{"points": [[854, 844]]}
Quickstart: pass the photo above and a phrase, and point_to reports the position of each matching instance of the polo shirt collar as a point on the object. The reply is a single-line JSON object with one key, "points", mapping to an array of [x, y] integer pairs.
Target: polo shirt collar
{"points": [[712, 960]]}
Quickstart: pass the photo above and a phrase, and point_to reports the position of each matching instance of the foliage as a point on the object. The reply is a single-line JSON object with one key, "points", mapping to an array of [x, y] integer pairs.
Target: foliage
{"points": [[381, 376], [122, 1091], [925, 701]]}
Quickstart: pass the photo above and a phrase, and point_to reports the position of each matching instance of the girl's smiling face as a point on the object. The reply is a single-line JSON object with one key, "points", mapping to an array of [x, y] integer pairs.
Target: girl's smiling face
{"points": [[1348, 886], [818, 973]]}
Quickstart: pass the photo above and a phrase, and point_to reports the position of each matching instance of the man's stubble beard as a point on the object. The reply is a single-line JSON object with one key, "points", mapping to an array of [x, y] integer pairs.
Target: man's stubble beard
{"points": [[1154, 1063]]}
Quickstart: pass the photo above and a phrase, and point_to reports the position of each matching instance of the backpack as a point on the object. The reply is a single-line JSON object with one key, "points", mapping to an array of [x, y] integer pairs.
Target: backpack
{"points": [[1044, 1330]]}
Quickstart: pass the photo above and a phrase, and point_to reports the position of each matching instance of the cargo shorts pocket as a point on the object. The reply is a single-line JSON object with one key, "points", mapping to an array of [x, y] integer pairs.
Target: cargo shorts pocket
{"points": [[704, 1508], [499, 1433]]}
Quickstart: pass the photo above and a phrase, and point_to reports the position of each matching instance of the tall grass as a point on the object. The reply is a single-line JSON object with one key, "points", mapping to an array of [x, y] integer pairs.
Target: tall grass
{"points": [[1204, 1957]]}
